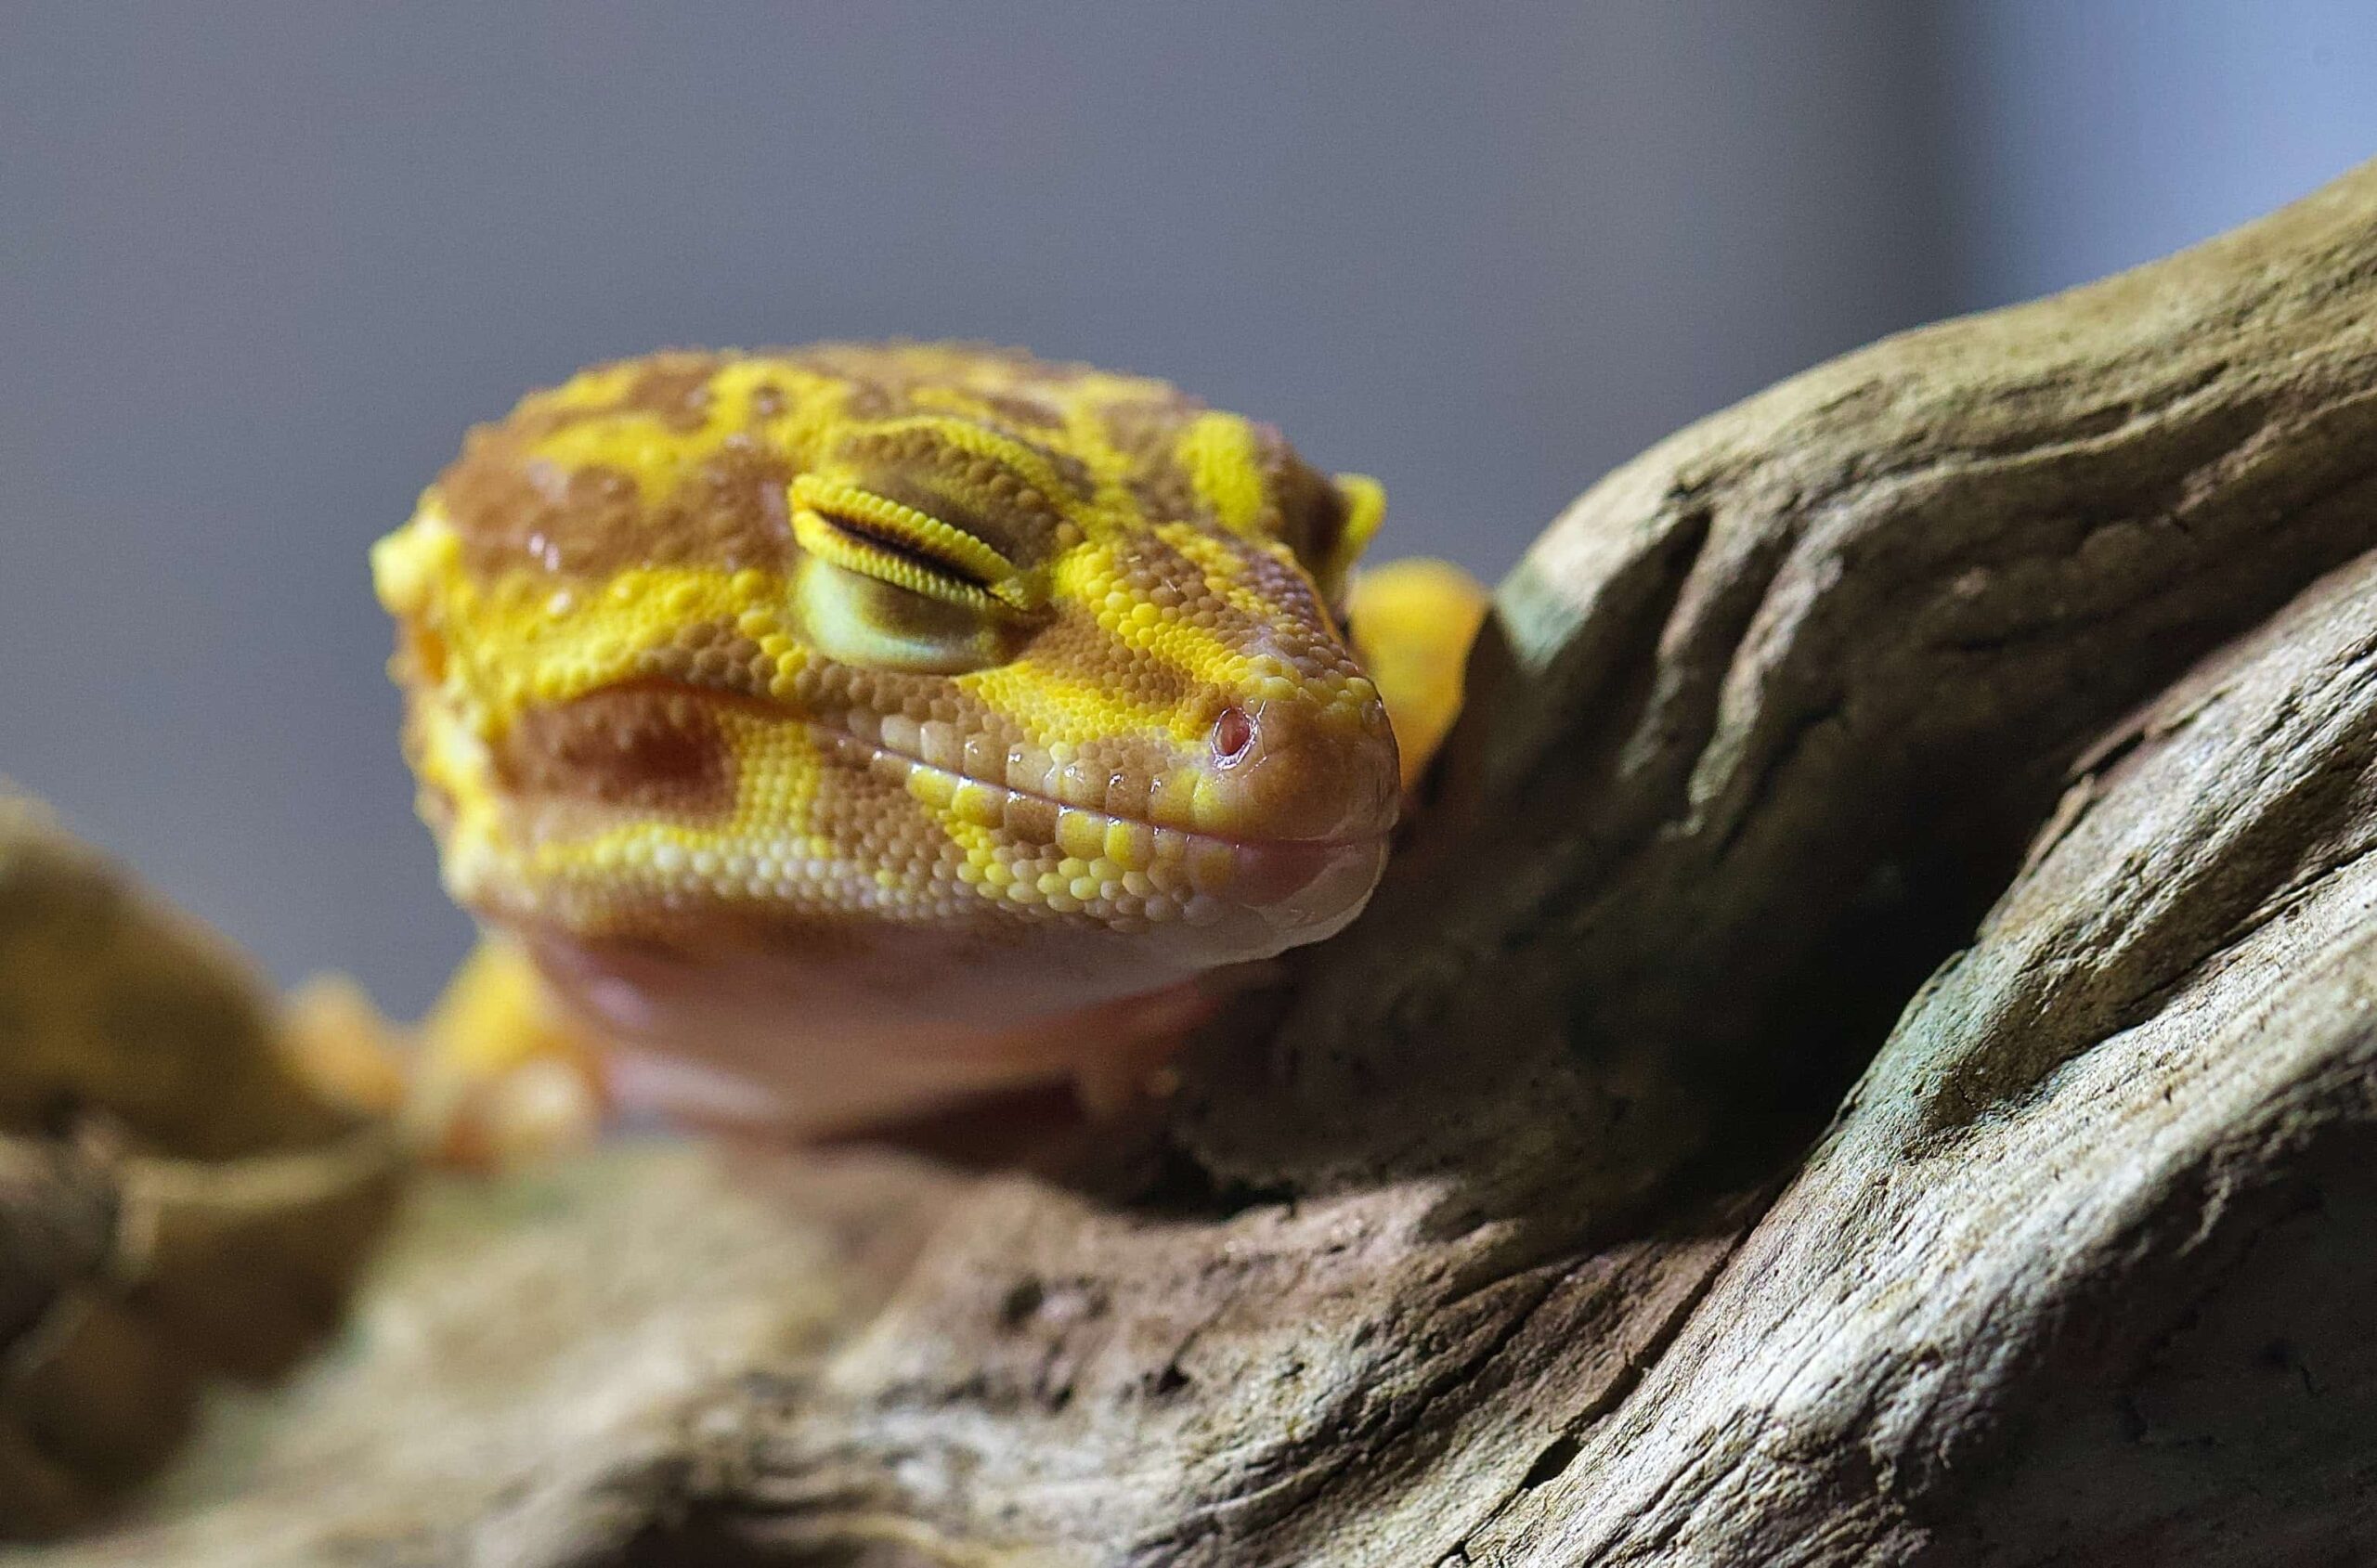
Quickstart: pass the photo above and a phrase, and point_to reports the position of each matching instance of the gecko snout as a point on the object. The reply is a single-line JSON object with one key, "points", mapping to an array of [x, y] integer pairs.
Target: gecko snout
{"points": [[1299, 771]]}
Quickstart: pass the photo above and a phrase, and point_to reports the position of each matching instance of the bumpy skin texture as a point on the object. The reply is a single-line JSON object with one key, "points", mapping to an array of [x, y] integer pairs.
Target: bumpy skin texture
{"points": [[849, 713]]}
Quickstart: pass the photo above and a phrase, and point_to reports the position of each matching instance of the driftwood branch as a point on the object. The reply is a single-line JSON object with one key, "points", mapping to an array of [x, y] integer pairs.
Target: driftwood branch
{"points": [[1618, 1189], [178, 1204]]}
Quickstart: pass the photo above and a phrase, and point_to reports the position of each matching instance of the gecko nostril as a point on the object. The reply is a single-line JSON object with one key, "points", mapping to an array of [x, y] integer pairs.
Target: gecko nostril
{"points": [[1233, 732]]}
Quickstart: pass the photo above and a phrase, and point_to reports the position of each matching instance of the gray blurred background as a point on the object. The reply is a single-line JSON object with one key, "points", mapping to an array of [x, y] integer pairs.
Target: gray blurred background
{"points": [[260, 263]]}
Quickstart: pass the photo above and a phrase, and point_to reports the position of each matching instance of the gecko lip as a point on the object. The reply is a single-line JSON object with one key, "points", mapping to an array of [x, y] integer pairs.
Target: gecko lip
{"points": [[1293, 882], [1266, 773], [876, 750]]}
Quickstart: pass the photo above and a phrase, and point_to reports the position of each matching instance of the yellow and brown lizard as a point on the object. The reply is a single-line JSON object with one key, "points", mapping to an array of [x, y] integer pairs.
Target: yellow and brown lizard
{"points": [[878, 725]]}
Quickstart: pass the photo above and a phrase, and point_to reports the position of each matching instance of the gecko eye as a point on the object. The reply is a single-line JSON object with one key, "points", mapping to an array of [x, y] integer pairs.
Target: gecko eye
{"points": [[887, 587], [874, 537]]}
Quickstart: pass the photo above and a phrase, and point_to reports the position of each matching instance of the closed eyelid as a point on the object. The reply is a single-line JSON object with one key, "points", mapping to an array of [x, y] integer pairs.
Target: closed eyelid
{"points": [[861, 531]]}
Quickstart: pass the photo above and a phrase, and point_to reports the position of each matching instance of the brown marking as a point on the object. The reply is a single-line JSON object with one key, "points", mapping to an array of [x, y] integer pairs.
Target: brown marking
{"points": [[729, 514], [514, 511], [674, 387], [1032, 413], [646, 747], [1147, 433], [1309, 509]]}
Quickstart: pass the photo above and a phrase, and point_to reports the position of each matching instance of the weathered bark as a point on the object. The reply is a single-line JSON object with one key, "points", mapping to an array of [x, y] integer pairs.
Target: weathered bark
{"points": [[1513, 1231]]}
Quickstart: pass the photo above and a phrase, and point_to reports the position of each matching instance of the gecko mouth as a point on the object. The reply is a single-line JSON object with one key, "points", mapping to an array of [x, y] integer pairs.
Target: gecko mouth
{"points": [[1266, 782], [1156, 872], [1038, 812]]}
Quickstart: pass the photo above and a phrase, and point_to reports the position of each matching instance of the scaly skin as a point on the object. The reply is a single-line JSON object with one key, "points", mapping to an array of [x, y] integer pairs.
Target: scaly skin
{"points": [[885, 723]]}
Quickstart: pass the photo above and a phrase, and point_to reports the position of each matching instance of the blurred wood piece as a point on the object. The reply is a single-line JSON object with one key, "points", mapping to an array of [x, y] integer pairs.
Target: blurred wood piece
{"points": [[178, 1204]]}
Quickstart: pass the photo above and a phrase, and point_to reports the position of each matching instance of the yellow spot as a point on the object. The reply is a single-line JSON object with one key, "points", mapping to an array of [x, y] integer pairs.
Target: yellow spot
{"points": [[1365, 509], [1130, 844], [1080, 834], [932, 787], [1219, 453], [978, 804], [409, 564]]}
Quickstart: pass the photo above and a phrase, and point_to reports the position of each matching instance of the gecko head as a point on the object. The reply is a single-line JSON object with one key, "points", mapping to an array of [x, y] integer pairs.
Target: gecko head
{"points": [[941, 680]]}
